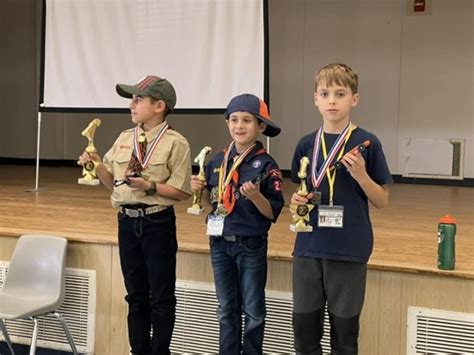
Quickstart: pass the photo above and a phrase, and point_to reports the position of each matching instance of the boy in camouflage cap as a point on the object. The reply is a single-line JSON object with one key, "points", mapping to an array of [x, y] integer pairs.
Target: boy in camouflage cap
{"points": [[148, 170]]}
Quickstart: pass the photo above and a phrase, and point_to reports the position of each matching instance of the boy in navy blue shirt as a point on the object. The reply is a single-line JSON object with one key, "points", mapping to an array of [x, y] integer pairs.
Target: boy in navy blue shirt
{"points": [[245, 191], [330, 263]]}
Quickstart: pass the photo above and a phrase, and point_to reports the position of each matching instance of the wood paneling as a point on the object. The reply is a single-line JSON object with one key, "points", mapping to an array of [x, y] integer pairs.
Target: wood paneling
{"points": [[369, 334], [194, 266], [96, 257], [389, 313], [119, 309]]}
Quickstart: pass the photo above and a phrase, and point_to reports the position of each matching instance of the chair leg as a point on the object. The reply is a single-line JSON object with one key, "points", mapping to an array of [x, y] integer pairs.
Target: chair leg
{"points": [[67, 332], [34, 337], [6, 336]]}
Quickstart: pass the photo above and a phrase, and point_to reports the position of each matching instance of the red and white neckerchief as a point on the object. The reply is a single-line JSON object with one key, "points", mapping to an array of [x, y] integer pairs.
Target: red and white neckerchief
{"points": [[317, 178], [151, 146]]}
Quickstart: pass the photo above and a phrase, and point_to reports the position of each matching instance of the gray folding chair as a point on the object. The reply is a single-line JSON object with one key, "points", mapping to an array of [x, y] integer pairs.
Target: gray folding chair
{"points": [[34, 285]]}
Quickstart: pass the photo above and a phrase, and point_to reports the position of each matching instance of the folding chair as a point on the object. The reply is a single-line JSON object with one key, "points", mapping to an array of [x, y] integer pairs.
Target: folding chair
{"points": [[35, 284]]}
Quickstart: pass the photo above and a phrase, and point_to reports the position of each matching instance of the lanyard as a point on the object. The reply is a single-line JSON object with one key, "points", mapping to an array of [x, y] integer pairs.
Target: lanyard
{"points": [[317, 178], [332, 177], [224, 177], [144, 159]]}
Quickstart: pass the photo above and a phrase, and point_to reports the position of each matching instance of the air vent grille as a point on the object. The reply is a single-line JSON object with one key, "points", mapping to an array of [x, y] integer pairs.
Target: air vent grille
{"points": [[435, 331], [78, 309], [197, 330]]}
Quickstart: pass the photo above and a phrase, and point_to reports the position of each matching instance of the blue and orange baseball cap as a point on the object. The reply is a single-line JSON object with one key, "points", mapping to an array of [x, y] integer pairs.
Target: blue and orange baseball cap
{"points": [[257, 107]]}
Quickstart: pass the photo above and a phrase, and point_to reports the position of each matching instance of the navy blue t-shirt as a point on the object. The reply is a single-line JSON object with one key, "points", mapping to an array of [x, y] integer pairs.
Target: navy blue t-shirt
{"points": [[353, 242], [246, 219]]}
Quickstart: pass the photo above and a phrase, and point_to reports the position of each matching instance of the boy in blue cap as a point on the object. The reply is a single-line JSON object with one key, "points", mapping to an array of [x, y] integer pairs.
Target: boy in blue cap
{"points": [[330, 263], [245, 191]]}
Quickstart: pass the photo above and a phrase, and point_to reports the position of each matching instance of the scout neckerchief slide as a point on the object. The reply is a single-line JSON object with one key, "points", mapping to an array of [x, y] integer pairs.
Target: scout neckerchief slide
{"points": [[328, 215]]}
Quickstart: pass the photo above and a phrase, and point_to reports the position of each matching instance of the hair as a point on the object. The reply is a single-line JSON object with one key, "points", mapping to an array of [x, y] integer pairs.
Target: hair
{"points": [[167, 109], [338, 73]]}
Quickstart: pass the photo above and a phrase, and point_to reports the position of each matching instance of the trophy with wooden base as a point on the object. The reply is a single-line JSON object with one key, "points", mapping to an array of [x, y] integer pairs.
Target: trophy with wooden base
{"points": [[197, 208], [301, 212], [89, 176]]}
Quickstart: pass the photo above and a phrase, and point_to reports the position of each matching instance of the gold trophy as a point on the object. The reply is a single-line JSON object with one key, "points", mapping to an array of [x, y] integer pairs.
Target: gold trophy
{"points": [[301, 212], [196, 208], [89, 176]]}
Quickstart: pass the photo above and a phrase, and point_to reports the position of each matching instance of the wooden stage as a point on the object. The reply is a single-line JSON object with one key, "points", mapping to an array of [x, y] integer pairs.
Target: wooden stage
{"points": [[405, 231], [402, 269]]}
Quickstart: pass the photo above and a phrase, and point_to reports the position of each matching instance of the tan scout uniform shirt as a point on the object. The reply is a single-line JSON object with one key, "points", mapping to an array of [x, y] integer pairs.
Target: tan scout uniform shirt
{"points": [[170, 164]]}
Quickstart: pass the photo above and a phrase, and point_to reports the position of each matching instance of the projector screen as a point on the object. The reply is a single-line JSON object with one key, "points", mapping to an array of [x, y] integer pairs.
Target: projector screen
{"points": [[210, 50]]}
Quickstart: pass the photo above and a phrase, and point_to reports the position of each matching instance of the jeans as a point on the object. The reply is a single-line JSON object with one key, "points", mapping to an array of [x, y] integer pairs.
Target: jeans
{"points": [[240, 274], [148, 247]]}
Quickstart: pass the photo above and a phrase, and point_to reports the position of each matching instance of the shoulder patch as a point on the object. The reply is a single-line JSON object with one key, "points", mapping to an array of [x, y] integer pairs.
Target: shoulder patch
{"points": [[276, 173], [277, 185]]}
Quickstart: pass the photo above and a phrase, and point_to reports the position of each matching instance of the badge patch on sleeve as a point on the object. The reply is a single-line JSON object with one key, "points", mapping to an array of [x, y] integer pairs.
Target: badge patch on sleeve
{"points": [[277, 185], [276, 173]]}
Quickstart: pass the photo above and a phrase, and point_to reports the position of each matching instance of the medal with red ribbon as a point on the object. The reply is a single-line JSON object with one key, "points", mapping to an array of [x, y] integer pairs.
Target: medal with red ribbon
{"points": [[338, 147], [142, 156]]}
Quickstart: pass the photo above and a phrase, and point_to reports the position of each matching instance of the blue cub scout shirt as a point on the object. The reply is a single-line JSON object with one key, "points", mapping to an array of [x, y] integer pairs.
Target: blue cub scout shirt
{"points": [[353, 242], [246, 219]]}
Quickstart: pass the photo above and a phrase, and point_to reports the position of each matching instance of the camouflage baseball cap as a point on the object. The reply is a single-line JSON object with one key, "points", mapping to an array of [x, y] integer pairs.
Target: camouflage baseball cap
{"points": [[158, 88]]}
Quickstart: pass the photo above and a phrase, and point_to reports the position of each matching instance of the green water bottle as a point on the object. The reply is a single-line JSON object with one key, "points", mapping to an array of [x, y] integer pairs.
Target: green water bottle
{"points": [[446, 243]]}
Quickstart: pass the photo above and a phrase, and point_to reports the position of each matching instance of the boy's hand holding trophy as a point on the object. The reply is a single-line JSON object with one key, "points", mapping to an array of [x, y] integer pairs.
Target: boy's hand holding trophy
{"points": [[301, 212]]}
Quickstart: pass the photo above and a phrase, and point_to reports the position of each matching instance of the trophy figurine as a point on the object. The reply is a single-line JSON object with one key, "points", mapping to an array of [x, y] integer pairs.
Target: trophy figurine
{"points": [[196, 208], [89, 176], [301, 212]]}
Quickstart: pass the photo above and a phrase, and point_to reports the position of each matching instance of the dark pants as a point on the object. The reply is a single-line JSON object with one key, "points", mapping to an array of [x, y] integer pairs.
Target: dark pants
{"points": [[339, 283], [240, 273], [148, 249]]}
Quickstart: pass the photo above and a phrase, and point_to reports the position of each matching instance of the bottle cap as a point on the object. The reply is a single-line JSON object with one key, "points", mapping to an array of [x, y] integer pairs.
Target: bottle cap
{"points": [[447, 219]]}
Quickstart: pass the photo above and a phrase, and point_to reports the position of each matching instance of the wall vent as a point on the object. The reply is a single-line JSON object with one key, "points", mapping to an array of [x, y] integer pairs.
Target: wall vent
{"points": [[431, 331], [78, 310], [197, 330], [433, 158]]}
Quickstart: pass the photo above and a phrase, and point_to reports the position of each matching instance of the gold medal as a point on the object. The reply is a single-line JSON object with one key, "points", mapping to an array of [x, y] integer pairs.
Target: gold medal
{"points": [[221, 210]]}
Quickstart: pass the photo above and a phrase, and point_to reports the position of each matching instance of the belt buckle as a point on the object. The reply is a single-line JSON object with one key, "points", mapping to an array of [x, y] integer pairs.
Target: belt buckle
{"points": [[134, 213], [230, 238]]}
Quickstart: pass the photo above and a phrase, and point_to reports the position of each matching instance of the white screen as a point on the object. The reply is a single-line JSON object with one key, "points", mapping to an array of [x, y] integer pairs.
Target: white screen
{"points": [[210, 50]]}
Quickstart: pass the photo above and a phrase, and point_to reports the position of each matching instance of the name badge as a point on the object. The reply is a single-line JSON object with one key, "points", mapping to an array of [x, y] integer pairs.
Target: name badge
{"points": [[215, 225], [330, 216]]}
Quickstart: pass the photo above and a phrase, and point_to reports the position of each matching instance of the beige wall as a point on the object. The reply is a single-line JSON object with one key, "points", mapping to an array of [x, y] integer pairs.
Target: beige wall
{"points": [[17, 78], [416, 76]]}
